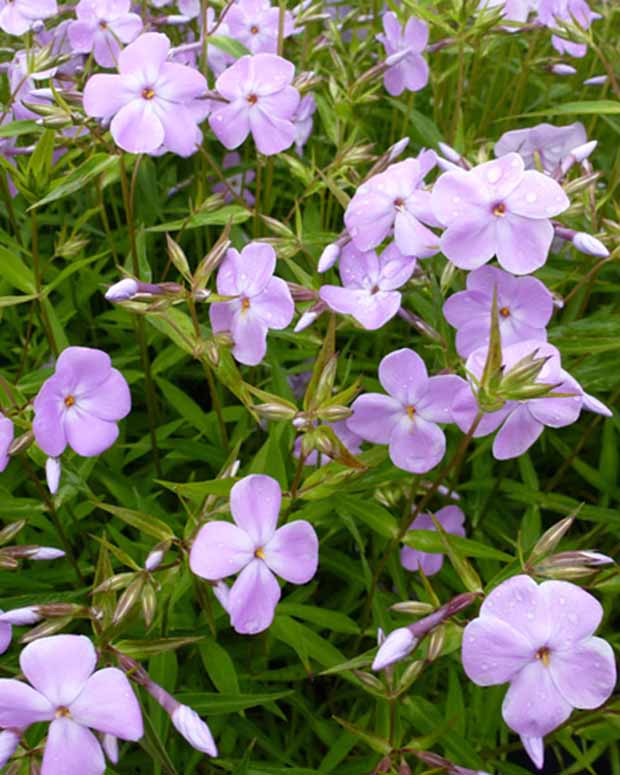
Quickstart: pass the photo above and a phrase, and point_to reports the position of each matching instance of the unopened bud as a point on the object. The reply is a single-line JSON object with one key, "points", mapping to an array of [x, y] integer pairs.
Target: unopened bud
{"points": [[335, 413], [156, 555], [274, 411], [563, 69], [329, 256], [551, 538], [398, 644], [410, 676], [10, 531], [596, 80], [221, 590], [46, 628], [394, 151], [588, 244], [123, 290], [9, 740], [449, 153], [397, 57], [53, 470], [45, 553], [369, 681], [128, 599], [22, 617], [149, 604], [414, 607], [189, 724], [21, 443], [447, 166], [309, 316], [436, 643]]}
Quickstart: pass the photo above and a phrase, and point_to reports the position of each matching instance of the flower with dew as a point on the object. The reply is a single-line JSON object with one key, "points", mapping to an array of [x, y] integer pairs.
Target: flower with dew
{"points": [[7, 434], [410, 73], [369, 285], [545, 144], [19, 16], [540, 639], [524, 308], [261, 101], [452, 519], [521, 421], [65, 690], [255, 549], [394, 200], [152, 103], [236, 184], [256, 24], [498, 208], [261, 301], [101, 26], [81, 404], [407, 418]]}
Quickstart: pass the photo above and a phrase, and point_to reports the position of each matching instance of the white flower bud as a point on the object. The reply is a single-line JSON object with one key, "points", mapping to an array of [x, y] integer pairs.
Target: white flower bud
{"points": [[110, 746], [53, 469], [449, 152], [122, 290], [597, 80], [329, 256], [9, 740], [46, 553], [306, 319], [394, 151], [154, 559], [586, 243], [21, 617], [395, 647], [189, 724], [562, 69]]}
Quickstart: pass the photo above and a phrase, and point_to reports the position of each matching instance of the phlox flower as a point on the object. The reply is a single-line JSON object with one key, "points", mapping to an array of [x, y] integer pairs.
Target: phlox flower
{"points": [[395, 200], [452, 519], [407, 417], [261, 100], [520, 423], [101, 26], [7, 433], [19, 16], [513, 10], [81, 404], [369, 285], [189, 8], [540, 639], [551, 13], [524, 308], [256, 24], [258, 550], [23, 86], [498, 208], [304, 122], [152, 103], [410, 73], [261, 301], [550, 143], [65, 690]]}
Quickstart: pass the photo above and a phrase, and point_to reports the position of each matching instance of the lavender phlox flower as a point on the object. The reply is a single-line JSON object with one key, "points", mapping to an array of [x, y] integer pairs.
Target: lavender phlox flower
{"points": [[407, 418], [369, 285], [395, 200], [512, 10], [101, 26], [152, 103], [256, 24], [524, 308], [66, 691], [236, 184], [554, 13], [258, 550], [303, 121], [498, 208], [261, 301], [546, 143], [452, 519], [23, 85], [540, 639], [410, 40], [81, 404], [19, 16]]}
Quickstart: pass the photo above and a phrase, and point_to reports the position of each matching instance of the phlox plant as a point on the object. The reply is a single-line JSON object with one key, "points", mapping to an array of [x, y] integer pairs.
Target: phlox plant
{"points": [[309, 387]]}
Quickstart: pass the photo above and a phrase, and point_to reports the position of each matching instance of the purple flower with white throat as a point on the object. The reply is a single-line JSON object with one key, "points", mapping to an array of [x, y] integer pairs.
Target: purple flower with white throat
{"points": [[410, 73], [452, 519], [395, 200], [524, 308], [540, 639], [261, 100], [100, 28], [550, 144], [7, 434], [256, 24], [81, 404], [498, 208], [370, 284], [66, 690], [19, 16], [152, 103], [261, 301], [407, 418], [258, 550]]}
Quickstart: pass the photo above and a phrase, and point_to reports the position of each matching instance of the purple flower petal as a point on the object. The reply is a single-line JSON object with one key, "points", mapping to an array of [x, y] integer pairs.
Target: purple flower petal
{"points": [[90, 366], [108, 704], [136, 127], [255, 506], [71, 748], [88, 435], [271, 134], [179, 83], [517, 434], [248, 272], [48, 427], [253, 599], [523, 243], [537, 196], [435, 404], [533, 706], [558, 412], [274, 304], [494, 652], [249, 333], [145, 56], [231, 123], [535, 749], [112, 399], [519, 603], [219, 550], [417, 446], [574, 613], [470, 243], [293, 552], [457, 196], [374, 417], [21, 705], [404, 376], [412, 237], [585, 675], [500, 176]]}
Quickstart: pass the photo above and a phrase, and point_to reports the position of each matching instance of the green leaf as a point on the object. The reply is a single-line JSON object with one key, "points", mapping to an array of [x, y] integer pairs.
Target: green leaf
{"points": [[228, 45], [79, 178], [586, 108], [229, 214], [142, 649], [376, 517], [200, 489], [144, 522], [13, 301], [430, 541], [329, 620], [18, 128], [208, 703], [219, 666]]}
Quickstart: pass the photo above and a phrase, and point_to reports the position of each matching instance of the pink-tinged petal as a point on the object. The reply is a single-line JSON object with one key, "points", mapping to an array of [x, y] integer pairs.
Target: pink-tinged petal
{"points": [[271, 134], [592, 404], [470, 243], [487, 278], [374, 417], [127, 27], [105, 95], [255, 506], [558, 412], [179, 83], [535, 749], [371, 310], [181, 135], [393, 28], [111, 400], [404, 376], [9, 741], [413, 238], [416, 34], [494, 652], [249, 334], [358, 269], [500, 176], [70, 749], [522, 243], [87, 366], [412, 559], [48, 427], [369, 218], [395, 268], [145, 56], [537, 196], [13, 21], [585, 675], [517, 434], [533, 706], [458, 196], [108, 704], [231, 123], [398, 645], [415, 71], [59, 666], [293, 552], [343, 300], [574, 613], [21, 705], [219, 550], [420, 202], [520, 603], [417, 446], [253, 599], [274, 305], [435, 404], [136, 127], [271, 74], [88, 435]]}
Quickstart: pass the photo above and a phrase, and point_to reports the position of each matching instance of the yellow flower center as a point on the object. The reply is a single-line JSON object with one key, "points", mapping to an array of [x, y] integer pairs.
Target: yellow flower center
{"points": [[504, 312], [69, 401], [148, 93], [411, 412], [260, 553], [544, 655], [499, 210], [63, 712]]}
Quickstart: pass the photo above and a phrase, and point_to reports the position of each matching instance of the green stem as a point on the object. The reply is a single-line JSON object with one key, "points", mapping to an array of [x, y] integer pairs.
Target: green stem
{"points": [[36, 262]]}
